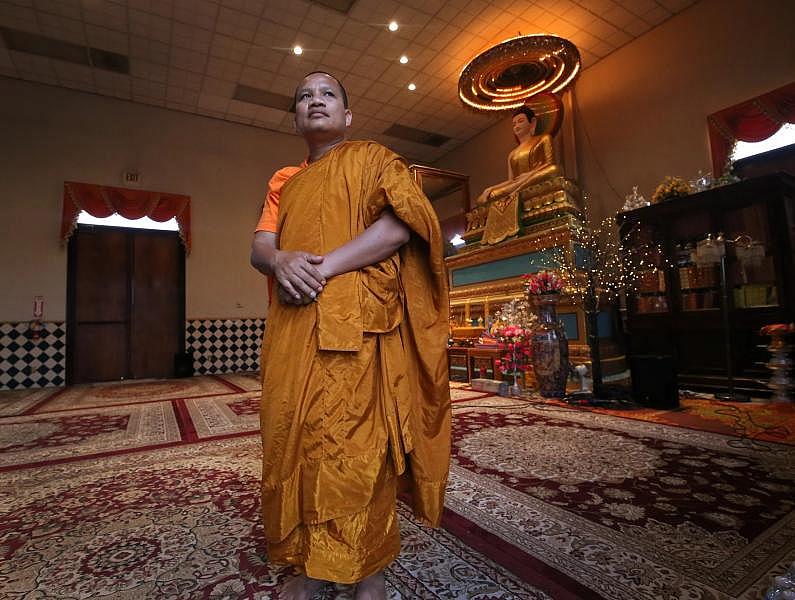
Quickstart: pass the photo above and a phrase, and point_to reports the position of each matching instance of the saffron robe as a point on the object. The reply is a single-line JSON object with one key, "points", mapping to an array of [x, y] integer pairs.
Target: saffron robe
{"points": [[356, 395]]}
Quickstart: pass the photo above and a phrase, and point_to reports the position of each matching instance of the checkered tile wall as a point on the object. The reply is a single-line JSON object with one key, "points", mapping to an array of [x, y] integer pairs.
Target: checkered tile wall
{"points": [[217, 345], [224, 345], [26, 362]]}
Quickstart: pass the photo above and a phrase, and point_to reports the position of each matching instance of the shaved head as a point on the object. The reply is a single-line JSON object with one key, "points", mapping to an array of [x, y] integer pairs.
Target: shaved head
{"points": [[329, 75]]}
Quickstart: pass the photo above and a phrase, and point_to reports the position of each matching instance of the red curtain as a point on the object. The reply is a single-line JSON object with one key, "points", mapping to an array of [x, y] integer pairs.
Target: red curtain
{"points": [[102, 201], [751, 121]]}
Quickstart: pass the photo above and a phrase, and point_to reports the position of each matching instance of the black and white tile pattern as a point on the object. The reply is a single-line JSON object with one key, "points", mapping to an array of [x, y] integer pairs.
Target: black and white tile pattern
{"points": [[217, 345], [27, 362], [224, 345]]}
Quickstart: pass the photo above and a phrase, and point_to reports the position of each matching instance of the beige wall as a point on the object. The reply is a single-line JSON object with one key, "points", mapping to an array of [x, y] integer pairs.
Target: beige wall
{"points": [[644, 107], [51, 135]]}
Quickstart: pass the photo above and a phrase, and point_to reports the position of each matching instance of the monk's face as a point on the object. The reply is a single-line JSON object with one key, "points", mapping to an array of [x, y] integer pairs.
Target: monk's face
{"points": [[522, 127], [320, 109]]}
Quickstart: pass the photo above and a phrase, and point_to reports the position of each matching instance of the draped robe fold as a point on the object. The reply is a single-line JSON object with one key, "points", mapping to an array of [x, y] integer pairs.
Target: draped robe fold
{"points": [[356, 401]]}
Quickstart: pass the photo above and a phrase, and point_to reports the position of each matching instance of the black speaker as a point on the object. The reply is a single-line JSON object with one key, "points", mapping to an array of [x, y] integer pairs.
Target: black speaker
{"points": [[183, 364], [654, 382]]}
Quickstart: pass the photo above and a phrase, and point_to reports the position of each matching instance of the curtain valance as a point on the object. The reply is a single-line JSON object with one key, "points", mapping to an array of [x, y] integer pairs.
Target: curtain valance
{"points": [[102, 201], [751, 121]]}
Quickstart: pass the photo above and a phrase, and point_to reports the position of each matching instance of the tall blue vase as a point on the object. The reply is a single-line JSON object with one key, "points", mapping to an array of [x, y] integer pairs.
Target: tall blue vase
{"points": [[550, 349]]}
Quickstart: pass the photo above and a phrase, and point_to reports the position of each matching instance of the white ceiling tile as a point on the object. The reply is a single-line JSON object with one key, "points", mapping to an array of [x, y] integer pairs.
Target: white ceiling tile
{"points": [[62, 28], [190, 17], [188, 60], [152, 26], [372, 65], [106, 39], [676, 5], [223, 69], [182, 96], [111, 16], [269, 116], [243, 109], [256, 77], [618, 39], [212, 102], [149, 71], [191, 37], [218, 87], [252, 7], [56, 7], [656, 16], [72, 72], [602, 29], [637, 27], [265, 58], [30, 63], [236, 24], [15, 17], [430, 7], [228, 48]]}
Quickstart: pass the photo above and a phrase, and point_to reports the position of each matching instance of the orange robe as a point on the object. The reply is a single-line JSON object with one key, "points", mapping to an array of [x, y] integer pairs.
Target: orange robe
{"points": [[356, 399]]}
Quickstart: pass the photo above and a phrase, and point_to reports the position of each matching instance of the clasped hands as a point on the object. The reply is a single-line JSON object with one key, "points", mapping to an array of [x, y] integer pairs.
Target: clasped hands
{"points": [[299, 276]]}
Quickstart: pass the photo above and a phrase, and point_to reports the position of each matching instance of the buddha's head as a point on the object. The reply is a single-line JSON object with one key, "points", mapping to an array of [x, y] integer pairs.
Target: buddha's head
{"points": [[524, 123]]}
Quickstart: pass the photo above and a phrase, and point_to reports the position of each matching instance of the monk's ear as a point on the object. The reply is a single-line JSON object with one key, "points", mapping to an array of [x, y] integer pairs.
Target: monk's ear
{"points": [[348, 117]]}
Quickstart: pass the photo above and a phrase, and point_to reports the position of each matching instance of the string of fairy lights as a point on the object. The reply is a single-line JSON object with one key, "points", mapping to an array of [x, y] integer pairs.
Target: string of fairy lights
{"points": [[594, 259]]}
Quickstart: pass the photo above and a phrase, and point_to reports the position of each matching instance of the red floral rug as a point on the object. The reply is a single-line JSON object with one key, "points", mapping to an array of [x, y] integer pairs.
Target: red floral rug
{"points": [[128, 392], [183, 522], [68, 435], [629, 509], [764, 421]]}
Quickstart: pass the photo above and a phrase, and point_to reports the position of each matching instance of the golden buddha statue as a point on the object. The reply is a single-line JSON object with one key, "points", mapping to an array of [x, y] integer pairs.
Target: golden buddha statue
{"points": [[536, 187], [530, 162]]}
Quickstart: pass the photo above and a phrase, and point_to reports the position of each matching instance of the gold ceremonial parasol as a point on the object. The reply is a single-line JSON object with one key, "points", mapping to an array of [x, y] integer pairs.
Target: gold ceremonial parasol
{"points": [[516, 71]]}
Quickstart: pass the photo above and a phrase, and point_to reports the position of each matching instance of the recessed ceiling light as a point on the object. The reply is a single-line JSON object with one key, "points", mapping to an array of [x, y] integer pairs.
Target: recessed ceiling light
{"points": [[393, 26], [412, 87], [404, 59], [297, 50]]}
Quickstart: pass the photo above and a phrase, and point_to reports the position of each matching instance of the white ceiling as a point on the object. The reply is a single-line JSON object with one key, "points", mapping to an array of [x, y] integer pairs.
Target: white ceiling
{"points": [[189, 55]]}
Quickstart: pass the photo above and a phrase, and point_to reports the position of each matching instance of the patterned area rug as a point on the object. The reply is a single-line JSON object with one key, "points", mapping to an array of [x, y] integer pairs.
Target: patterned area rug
{"points": [[224, 415], [249, 381], [184, 522], [126, 392], [18, 402], [631, 510], [766, 421], [70, 434]]}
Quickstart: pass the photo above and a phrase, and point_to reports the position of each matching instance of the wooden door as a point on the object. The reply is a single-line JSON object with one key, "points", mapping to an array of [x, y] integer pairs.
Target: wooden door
{"points": [[99, 327], [156, 321], [125, 304]]}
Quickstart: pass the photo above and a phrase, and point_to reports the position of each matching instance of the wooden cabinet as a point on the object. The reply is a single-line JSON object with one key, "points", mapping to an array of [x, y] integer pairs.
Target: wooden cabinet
{"points": [[678, 310]]}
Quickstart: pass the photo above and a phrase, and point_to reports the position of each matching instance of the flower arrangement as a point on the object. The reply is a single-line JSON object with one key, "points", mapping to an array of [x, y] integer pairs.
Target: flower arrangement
{"points": [[542, 282], [671, 187], [515, 339], [513, 329]]}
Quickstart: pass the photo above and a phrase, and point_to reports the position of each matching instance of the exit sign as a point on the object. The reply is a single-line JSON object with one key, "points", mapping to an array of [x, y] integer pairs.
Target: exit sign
{"points": [[131, 178]]}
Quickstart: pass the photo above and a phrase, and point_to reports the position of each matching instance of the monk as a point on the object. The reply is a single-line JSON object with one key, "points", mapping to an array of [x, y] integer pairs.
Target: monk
{"points": [[356, 402]]}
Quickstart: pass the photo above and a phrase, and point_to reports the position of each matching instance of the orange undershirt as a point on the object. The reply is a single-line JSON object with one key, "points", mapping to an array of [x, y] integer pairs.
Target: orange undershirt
{"points": [[270, 210], [269, 219]]}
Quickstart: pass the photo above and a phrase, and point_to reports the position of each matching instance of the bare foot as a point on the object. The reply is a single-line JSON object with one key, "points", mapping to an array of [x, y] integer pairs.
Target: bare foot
{"points": [[371, 588], [301, 587]]}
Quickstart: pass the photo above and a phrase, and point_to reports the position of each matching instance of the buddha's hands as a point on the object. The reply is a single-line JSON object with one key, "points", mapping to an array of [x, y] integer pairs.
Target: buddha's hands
{"points": [[298, 277]]}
